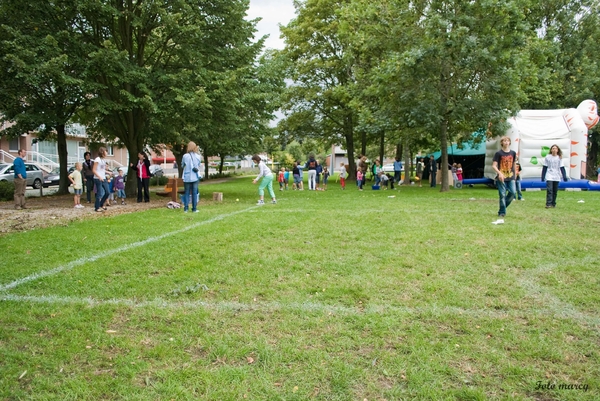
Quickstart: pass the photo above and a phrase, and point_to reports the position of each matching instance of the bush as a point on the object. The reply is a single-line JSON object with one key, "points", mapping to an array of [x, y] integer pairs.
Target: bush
{"points": [[7, 191], [159, 181], [219, 175]]}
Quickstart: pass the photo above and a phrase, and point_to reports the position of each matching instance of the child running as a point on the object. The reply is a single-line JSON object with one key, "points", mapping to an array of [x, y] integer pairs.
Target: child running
{"points": [[267, 180], [77, 182]]}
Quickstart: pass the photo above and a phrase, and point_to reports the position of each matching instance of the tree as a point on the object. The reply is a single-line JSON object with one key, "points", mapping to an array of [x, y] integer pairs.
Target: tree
{"points": [[151, 57], [43, 82], [447, 67], [318, 103]]}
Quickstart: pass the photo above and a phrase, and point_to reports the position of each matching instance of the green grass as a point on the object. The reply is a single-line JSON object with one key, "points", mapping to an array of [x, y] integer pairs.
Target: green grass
{"points": [[337, 295]]}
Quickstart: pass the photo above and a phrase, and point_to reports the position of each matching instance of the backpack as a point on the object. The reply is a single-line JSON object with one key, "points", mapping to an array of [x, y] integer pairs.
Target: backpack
{"points": [[312, 164]]}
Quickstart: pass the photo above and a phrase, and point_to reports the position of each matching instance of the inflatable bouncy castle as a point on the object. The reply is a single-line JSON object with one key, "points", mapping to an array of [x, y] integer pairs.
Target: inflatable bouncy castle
{"points": [[533, 132]]}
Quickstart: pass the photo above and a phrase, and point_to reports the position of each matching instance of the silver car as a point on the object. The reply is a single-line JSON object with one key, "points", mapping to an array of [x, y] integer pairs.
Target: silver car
{"points": [[35, 175]]}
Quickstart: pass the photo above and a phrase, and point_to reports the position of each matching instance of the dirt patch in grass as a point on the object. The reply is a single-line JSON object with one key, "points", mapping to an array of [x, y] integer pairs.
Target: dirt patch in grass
{"points": [[56, 210]]}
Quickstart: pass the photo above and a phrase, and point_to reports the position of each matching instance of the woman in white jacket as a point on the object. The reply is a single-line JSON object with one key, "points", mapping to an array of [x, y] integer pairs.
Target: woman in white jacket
{"points": [[267, 180]]}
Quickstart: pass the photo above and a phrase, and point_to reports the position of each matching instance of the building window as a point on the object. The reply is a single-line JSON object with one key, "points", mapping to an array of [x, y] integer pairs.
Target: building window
{"points": [[109, 150], [13, 145]]}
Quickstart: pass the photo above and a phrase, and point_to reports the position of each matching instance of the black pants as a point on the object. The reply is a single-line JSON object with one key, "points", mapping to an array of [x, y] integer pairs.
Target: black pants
{"points": [[551, 192], [143, 183], [89, 187]]}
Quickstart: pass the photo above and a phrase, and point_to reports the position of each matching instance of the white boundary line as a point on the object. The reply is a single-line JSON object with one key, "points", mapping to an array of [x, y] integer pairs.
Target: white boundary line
{"points": [[555, 307], [109, 252], [269, 307]]}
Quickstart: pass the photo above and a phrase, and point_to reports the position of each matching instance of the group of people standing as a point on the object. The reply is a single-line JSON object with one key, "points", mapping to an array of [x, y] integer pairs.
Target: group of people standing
{"points": [[508, 170], [94, 176]]}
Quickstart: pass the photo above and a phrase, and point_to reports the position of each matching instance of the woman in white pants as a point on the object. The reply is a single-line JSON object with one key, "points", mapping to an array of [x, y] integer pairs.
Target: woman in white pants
{"points": [[311, 165]]}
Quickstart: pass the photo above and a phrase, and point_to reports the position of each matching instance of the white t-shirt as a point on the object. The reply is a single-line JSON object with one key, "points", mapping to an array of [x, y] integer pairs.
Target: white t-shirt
{"points": [[100, 166], [553, 163], [263, 170]]}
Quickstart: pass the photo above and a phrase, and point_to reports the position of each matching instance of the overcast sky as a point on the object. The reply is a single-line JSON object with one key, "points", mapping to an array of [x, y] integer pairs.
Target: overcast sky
{"points": [[273, 13]]}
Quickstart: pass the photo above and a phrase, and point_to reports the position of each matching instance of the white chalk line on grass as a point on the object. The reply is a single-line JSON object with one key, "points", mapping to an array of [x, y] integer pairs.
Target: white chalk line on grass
{"points": [[545, 297], [309, 307], [109, 252]]}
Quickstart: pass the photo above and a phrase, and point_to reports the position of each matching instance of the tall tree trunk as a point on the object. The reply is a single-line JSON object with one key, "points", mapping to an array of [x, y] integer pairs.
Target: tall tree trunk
{"points": [[443, 170], [64, 183], [407, 168], [398, 150], [445, 94], [178, 151], [131, 183], [349, 135], [363, 145], [382, 147]]}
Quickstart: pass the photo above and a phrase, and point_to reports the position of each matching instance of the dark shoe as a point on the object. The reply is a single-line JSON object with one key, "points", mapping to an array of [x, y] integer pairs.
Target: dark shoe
{"points": [[24, 207]]}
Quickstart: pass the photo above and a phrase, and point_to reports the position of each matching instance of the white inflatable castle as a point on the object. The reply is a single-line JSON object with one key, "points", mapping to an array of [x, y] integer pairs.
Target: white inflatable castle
{"points": [[533, 132]]}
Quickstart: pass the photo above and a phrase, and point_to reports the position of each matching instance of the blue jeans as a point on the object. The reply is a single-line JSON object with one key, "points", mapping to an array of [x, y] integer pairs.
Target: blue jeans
{"points": [[518, 186], [396, 176], [191, 188], [506, 194], [433, 183], [102, 193]]}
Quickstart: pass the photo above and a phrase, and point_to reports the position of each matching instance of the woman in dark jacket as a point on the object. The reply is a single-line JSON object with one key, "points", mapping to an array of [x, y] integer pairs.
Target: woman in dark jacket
{"points": [[142, 172]]}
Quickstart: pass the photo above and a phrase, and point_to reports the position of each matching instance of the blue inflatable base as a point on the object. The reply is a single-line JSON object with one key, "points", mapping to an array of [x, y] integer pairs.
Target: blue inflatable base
{"points": [[530, 184]]}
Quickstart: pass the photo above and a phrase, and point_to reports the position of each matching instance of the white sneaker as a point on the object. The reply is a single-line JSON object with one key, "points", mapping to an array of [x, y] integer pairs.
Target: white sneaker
{"points": [[80, 206], [274, 202], [260, 202], [499, 221]]}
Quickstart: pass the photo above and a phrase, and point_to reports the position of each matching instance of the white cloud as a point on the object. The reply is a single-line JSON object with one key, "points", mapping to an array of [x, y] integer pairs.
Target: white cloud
{"points": [[273, 13]]}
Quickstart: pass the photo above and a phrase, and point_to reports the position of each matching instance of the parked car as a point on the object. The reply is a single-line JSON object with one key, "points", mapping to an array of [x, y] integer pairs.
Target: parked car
{"points": [[53, 177], [156, 170], [35, 175]]}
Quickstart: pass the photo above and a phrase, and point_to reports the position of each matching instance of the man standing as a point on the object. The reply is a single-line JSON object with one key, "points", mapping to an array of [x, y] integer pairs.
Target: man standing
{"points": [[504, 166], [20, 180], [432, 170], [397, 170]]}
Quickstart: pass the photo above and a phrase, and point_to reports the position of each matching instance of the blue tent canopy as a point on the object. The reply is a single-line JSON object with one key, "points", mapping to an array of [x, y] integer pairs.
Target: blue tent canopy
{"points": [[468, 149]]}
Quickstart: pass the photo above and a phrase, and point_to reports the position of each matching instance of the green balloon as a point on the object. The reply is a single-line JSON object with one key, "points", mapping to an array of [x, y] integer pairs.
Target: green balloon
{"points": [[545, 151], [534, 160]]}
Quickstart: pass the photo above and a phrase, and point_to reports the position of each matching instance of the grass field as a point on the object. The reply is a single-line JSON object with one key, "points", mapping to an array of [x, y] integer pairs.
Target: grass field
{"points": [[336, 295]]}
